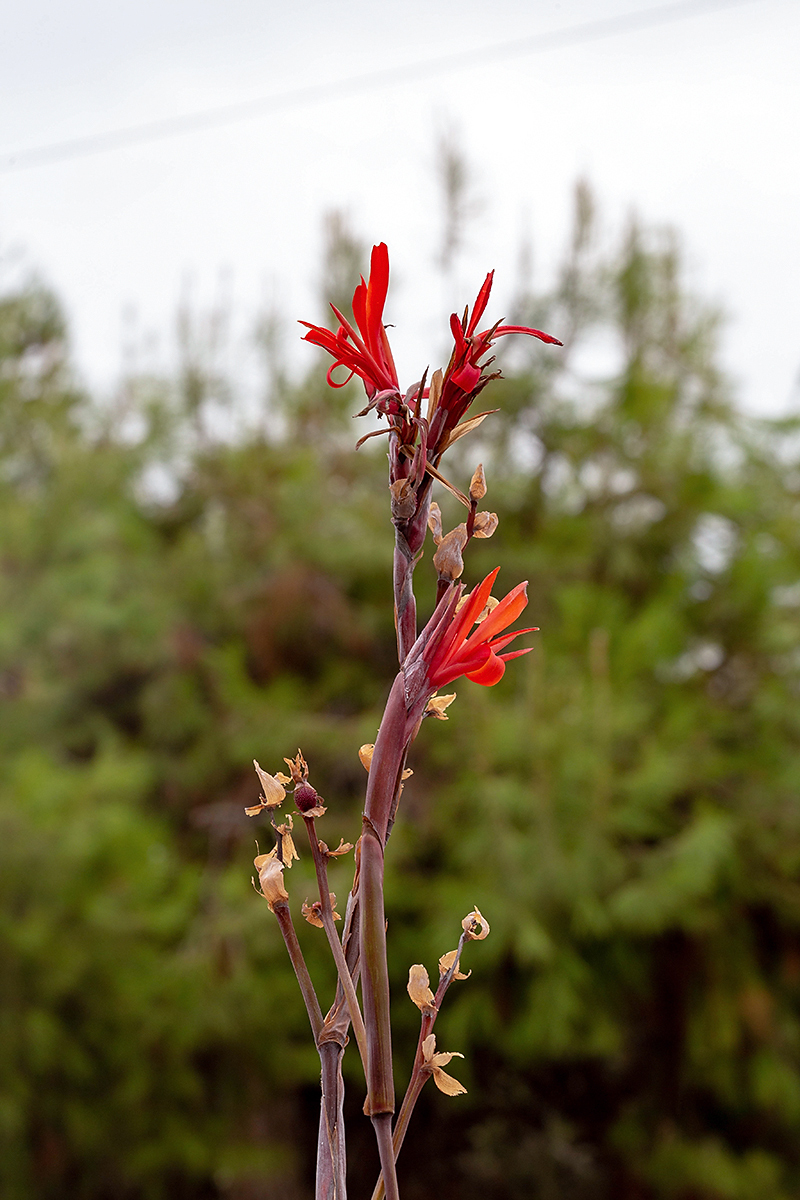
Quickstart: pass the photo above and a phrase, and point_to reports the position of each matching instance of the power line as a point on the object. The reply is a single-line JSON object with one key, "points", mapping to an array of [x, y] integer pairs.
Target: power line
{"points": [[229, 114]]}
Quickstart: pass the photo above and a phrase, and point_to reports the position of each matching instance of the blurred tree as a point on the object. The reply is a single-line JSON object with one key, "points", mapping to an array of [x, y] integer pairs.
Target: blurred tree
{"points": [[623, 808]]}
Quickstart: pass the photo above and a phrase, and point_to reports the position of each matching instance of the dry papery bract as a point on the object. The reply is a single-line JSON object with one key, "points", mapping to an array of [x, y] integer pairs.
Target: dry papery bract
{"points": [[436, 706]]}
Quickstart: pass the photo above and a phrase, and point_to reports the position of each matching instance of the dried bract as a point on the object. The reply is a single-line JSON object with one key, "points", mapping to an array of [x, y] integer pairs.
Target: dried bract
{"points": [[435, 522], [404, 499], [365, 755], [436, 706]]}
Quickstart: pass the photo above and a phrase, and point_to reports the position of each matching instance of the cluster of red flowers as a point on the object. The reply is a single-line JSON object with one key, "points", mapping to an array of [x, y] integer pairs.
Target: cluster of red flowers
{"points": [[363, 349]]}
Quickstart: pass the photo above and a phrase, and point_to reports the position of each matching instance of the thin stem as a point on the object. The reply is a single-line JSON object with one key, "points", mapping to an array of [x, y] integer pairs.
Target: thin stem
{"points": [[286, 925], [321, 865], [418, 1073], [382, 1124]]}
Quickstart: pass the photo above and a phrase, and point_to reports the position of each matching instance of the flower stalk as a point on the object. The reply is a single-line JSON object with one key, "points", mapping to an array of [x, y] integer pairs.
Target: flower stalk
{"points": [[466, 635]]}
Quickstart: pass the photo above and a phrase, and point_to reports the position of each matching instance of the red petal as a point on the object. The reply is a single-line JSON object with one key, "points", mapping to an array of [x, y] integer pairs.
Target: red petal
{"points": [[480, 304], [490, 673], [465, 617], [376, 294], [502, 330], [501, 617]]}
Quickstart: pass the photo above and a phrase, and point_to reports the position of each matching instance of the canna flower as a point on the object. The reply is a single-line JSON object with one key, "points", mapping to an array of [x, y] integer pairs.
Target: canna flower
{"points": [[364, 349], [465, 376], [477, 655]]}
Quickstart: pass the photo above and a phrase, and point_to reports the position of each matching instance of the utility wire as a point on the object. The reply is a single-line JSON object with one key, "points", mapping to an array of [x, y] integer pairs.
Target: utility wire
{"points": [[229, 114]]}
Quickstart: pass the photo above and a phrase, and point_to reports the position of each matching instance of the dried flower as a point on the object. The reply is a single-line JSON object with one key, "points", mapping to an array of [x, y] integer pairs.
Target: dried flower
{"points": [[298, 767], [434, 1063], [419, 989], [343, 848], [446, 962], [313, 912], [288, 852], [475, 925], [270, 877], [274, 792]]}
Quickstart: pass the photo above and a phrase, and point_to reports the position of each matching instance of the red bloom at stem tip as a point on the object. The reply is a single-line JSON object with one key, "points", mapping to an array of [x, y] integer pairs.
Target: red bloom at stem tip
{"points": [[477, 655], [363, 350]]}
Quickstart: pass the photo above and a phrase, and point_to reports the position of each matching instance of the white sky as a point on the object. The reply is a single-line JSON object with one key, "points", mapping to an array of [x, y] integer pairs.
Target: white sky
{"points": [[695, 123]]}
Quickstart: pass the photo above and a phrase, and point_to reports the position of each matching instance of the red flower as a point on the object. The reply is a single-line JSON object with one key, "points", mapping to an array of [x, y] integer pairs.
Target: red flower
{"points": [[365, 350], [477, 655], [464, 377]]}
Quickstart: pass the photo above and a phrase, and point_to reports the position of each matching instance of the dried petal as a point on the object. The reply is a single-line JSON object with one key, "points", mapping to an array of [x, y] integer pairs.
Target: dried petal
{"points": [[312, 913], [418, 988], [436, 706], [343, 848], [448, 560], [466, 427], [288, 851], [298, 768], [485, 525], [473, 922], [255, 810], [284, 779], [477, 487], [434, 1062], [446, 962], [270, 877], [407, 774], [365, 754], [451, 487], [274, 793]]}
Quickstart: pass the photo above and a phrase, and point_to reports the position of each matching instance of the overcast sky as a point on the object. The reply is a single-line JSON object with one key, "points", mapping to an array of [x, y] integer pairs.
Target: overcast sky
{"points": [[693, 122]]}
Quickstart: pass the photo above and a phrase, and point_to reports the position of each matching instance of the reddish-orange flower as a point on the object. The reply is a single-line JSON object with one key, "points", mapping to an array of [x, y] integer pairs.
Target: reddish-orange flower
{"points": [[363, 350], [465, 375], [477, 654]]}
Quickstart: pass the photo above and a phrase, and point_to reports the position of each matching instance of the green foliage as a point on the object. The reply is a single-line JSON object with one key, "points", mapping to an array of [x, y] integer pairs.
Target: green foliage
{"points": [[622, 807]]}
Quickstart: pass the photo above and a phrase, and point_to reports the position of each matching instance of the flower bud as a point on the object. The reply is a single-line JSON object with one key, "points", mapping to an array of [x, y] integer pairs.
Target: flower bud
{"points": [[485, 524], [477, 487], [404, 499], [448, 560]]}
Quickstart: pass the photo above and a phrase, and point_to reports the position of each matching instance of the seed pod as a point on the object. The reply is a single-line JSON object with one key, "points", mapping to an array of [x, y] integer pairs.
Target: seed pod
{"points": [[306, 797]]}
